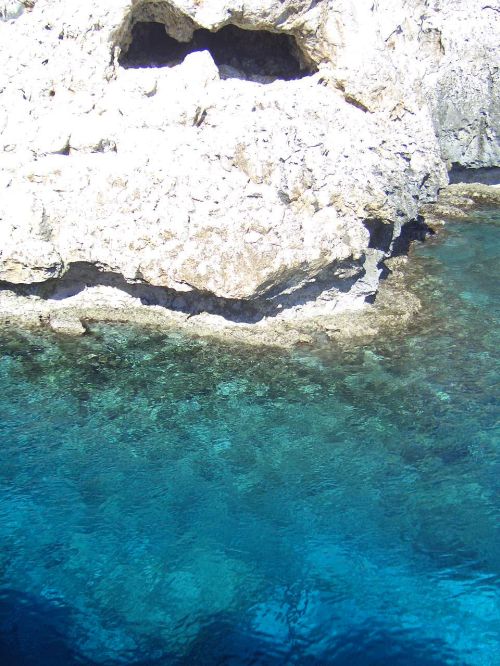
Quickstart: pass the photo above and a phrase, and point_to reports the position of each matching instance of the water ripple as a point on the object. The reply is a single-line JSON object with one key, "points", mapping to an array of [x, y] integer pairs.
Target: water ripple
{"points": [[172, 501]]}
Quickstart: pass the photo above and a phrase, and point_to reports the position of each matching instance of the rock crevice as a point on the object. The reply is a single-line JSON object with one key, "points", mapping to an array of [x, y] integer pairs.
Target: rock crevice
{"points": [[292, 294], [244, 54]]}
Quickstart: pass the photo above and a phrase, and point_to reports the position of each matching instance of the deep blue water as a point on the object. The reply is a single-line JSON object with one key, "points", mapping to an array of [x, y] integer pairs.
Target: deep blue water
{"points": [[165, 500]]}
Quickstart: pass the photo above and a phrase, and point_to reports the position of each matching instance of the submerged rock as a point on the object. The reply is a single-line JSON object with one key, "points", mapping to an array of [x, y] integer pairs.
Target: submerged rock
{"points": [[265, 156], [67, 325], [457, 201]]}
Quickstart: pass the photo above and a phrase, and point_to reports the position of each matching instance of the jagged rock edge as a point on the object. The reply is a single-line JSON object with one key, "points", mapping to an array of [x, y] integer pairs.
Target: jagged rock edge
{"points": [[82, 275]]}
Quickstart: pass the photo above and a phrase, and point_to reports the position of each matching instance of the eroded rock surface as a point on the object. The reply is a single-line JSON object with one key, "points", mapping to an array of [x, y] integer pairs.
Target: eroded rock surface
{"points": [[246, 160]]}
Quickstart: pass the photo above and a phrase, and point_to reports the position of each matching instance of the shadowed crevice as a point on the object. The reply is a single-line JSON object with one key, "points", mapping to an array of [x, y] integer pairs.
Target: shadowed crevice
{"points": [[244, 54], [338, 277], [483, 175], [381, 234], [415, 230]]}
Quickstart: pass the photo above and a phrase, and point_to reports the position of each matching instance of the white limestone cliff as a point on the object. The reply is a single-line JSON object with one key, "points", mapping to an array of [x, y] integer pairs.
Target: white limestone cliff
{"points": [[270, 184]]}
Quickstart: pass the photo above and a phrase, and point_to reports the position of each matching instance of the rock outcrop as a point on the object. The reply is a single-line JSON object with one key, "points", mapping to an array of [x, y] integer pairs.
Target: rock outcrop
{"points": [[246, 160]]}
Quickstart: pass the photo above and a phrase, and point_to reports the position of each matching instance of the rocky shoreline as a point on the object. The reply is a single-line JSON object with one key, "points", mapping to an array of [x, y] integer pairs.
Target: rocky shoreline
{"points": [[245, 170], [456, 202], [394, 309]]}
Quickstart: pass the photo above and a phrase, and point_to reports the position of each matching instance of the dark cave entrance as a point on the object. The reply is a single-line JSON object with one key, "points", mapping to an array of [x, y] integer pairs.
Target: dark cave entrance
{"points": [[245, 54]]}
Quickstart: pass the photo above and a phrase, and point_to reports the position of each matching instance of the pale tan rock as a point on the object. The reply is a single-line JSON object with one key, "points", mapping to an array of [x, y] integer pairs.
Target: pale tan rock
{"points": [[459, 200], [66, 325], [247, 190]]}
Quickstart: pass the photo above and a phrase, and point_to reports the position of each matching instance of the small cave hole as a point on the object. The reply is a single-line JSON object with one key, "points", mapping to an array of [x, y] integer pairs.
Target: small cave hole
{"points": [[245, 54], [381, 234]]}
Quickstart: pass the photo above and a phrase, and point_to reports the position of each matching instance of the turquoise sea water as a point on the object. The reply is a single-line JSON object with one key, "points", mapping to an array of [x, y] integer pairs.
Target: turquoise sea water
{"points": [[174, 501]]}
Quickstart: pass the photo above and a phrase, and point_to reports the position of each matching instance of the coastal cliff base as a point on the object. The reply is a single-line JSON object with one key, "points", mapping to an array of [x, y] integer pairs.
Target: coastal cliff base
{"points": [[72, 307]]}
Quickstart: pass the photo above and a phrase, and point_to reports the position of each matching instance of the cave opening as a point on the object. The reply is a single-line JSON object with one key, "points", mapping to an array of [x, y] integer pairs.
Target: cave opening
{"points": [[245, 54]]}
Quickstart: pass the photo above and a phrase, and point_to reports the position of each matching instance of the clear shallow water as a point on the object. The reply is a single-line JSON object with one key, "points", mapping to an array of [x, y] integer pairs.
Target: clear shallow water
{"points": [[173, 501]]}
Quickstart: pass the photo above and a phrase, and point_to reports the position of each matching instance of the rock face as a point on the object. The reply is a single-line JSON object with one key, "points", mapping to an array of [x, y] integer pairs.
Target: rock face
{"points": [[257, 157]]}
